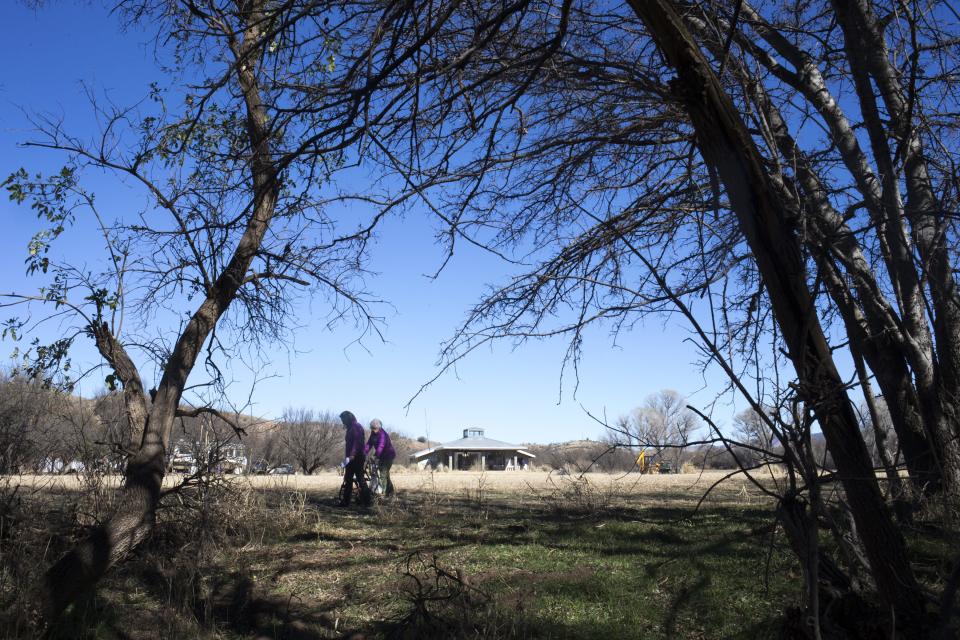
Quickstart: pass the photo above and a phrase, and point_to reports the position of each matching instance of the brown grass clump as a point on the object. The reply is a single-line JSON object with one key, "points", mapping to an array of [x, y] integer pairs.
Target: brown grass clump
{"points": [[188, 580], [577, 494], [442, 602]]}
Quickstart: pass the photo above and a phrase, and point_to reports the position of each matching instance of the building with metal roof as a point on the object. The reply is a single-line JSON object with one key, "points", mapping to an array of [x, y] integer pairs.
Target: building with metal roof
{"points": [[474, 451]]}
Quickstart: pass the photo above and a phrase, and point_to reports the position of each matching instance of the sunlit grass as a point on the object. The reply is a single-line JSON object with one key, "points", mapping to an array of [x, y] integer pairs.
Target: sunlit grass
{"points": [[551, 560]]}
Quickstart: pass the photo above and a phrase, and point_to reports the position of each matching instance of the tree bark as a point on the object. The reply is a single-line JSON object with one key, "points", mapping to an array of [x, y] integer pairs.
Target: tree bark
{"points": [[80, 569], [938, 378], [726, 144], [881, 196], [872, 325], [901, 502]]}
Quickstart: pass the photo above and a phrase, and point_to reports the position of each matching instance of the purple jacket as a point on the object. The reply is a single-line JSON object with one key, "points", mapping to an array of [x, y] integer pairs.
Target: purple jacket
{"points": [[354, 441], [381, 444]]}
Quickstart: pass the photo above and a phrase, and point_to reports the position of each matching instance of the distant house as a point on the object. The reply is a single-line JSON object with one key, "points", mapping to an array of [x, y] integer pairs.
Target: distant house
{"points": [[224, 458], [474, 451]]}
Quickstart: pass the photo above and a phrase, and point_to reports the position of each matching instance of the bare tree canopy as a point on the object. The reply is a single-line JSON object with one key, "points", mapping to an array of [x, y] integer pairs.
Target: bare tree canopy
{"points": [[782, 176], [663, 424], [564, 140], [311, 441], [236, 160]]}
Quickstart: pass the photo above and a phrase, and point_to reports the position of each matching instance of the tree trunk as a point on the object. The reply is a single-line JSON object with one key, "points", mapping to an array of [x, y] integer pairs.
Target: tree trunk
{"points": [[927, 427], [901, 501], [826, 583], [893, 376], [76, 573], [872, 324], [726, 145], [80, 569], [938, 376]]}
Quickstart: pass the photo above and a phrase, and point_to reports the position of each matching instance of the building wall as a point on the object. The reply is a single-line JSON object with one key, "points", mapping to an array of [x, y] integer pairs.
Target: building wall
{"points": [[475, 460]]}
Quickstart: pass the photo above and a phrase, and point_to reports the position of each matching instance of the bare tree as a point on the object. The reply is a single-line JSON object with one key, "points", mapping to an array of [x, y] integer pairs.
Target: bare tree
{"points": [[662, 424], [264, 447], [762, 210], [750, 428], [234, 162], [116, 436], [46, 430], [23, 410], [312, 442], [656, 156]]}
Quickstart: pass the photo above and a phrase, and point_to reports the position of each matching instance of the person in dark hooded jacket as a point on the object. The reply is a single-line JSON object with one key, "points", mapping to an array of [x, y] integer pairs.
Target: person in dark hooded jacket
{"points": [[353, 458]]}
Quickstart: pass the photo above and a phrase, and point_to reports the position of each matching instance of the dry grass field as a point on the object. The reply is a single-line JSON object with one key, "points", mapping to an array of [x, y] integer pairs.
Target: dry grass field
{"points": [[680, 486], [455, 555]]}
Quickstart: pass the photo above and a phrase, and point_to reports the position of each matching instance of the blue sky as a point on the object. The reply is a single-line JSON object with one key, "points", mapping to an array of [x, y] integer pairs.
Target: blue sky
{"points": [[513, 393]]}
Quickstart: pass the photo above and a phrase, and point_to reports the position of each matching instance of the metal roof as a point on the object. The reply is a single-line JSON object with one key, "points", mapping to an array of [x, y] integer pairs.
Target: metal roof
{"points": [[474, 444]]}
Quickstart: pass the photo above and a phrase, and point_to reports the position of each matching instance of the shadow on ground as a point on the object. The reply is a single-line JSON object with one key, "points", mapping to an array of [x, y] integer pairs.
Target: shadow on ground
{"points": [[428, 566]]}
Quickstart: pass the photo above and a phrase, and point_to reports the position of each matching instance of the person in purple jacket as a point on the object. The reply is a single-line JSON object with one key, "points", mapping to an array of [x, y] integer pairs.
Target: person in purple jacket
{"points": [[353, 458], [383, 449]]}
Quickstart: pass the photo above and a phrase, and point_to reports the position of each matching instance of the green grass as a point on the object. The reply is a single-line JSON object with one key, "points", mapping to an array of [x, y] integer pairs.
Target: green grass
{"points": [[628, 569], [661, 571], [573, 561], [621, 572]]}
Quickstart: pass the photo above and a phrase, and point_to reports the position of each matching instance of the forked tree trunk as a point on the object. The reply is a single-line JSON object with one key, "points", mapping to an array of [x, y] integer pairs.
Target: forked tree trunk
{"points": [[726, 145], [75, 573], [78, 572]]}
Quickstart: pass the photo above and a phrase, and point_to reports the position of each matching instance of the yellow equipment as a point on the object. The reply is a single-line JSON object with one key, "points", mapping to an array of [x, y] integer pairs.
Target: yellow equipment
{"points": [[642, 461], [650, 464]]}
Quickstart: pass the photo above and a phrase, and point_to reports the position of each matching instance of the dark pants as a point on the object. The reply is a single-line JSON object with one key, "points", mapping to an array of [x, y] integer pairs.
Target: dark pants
{"points": [[354, 470], [385, 476]]}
